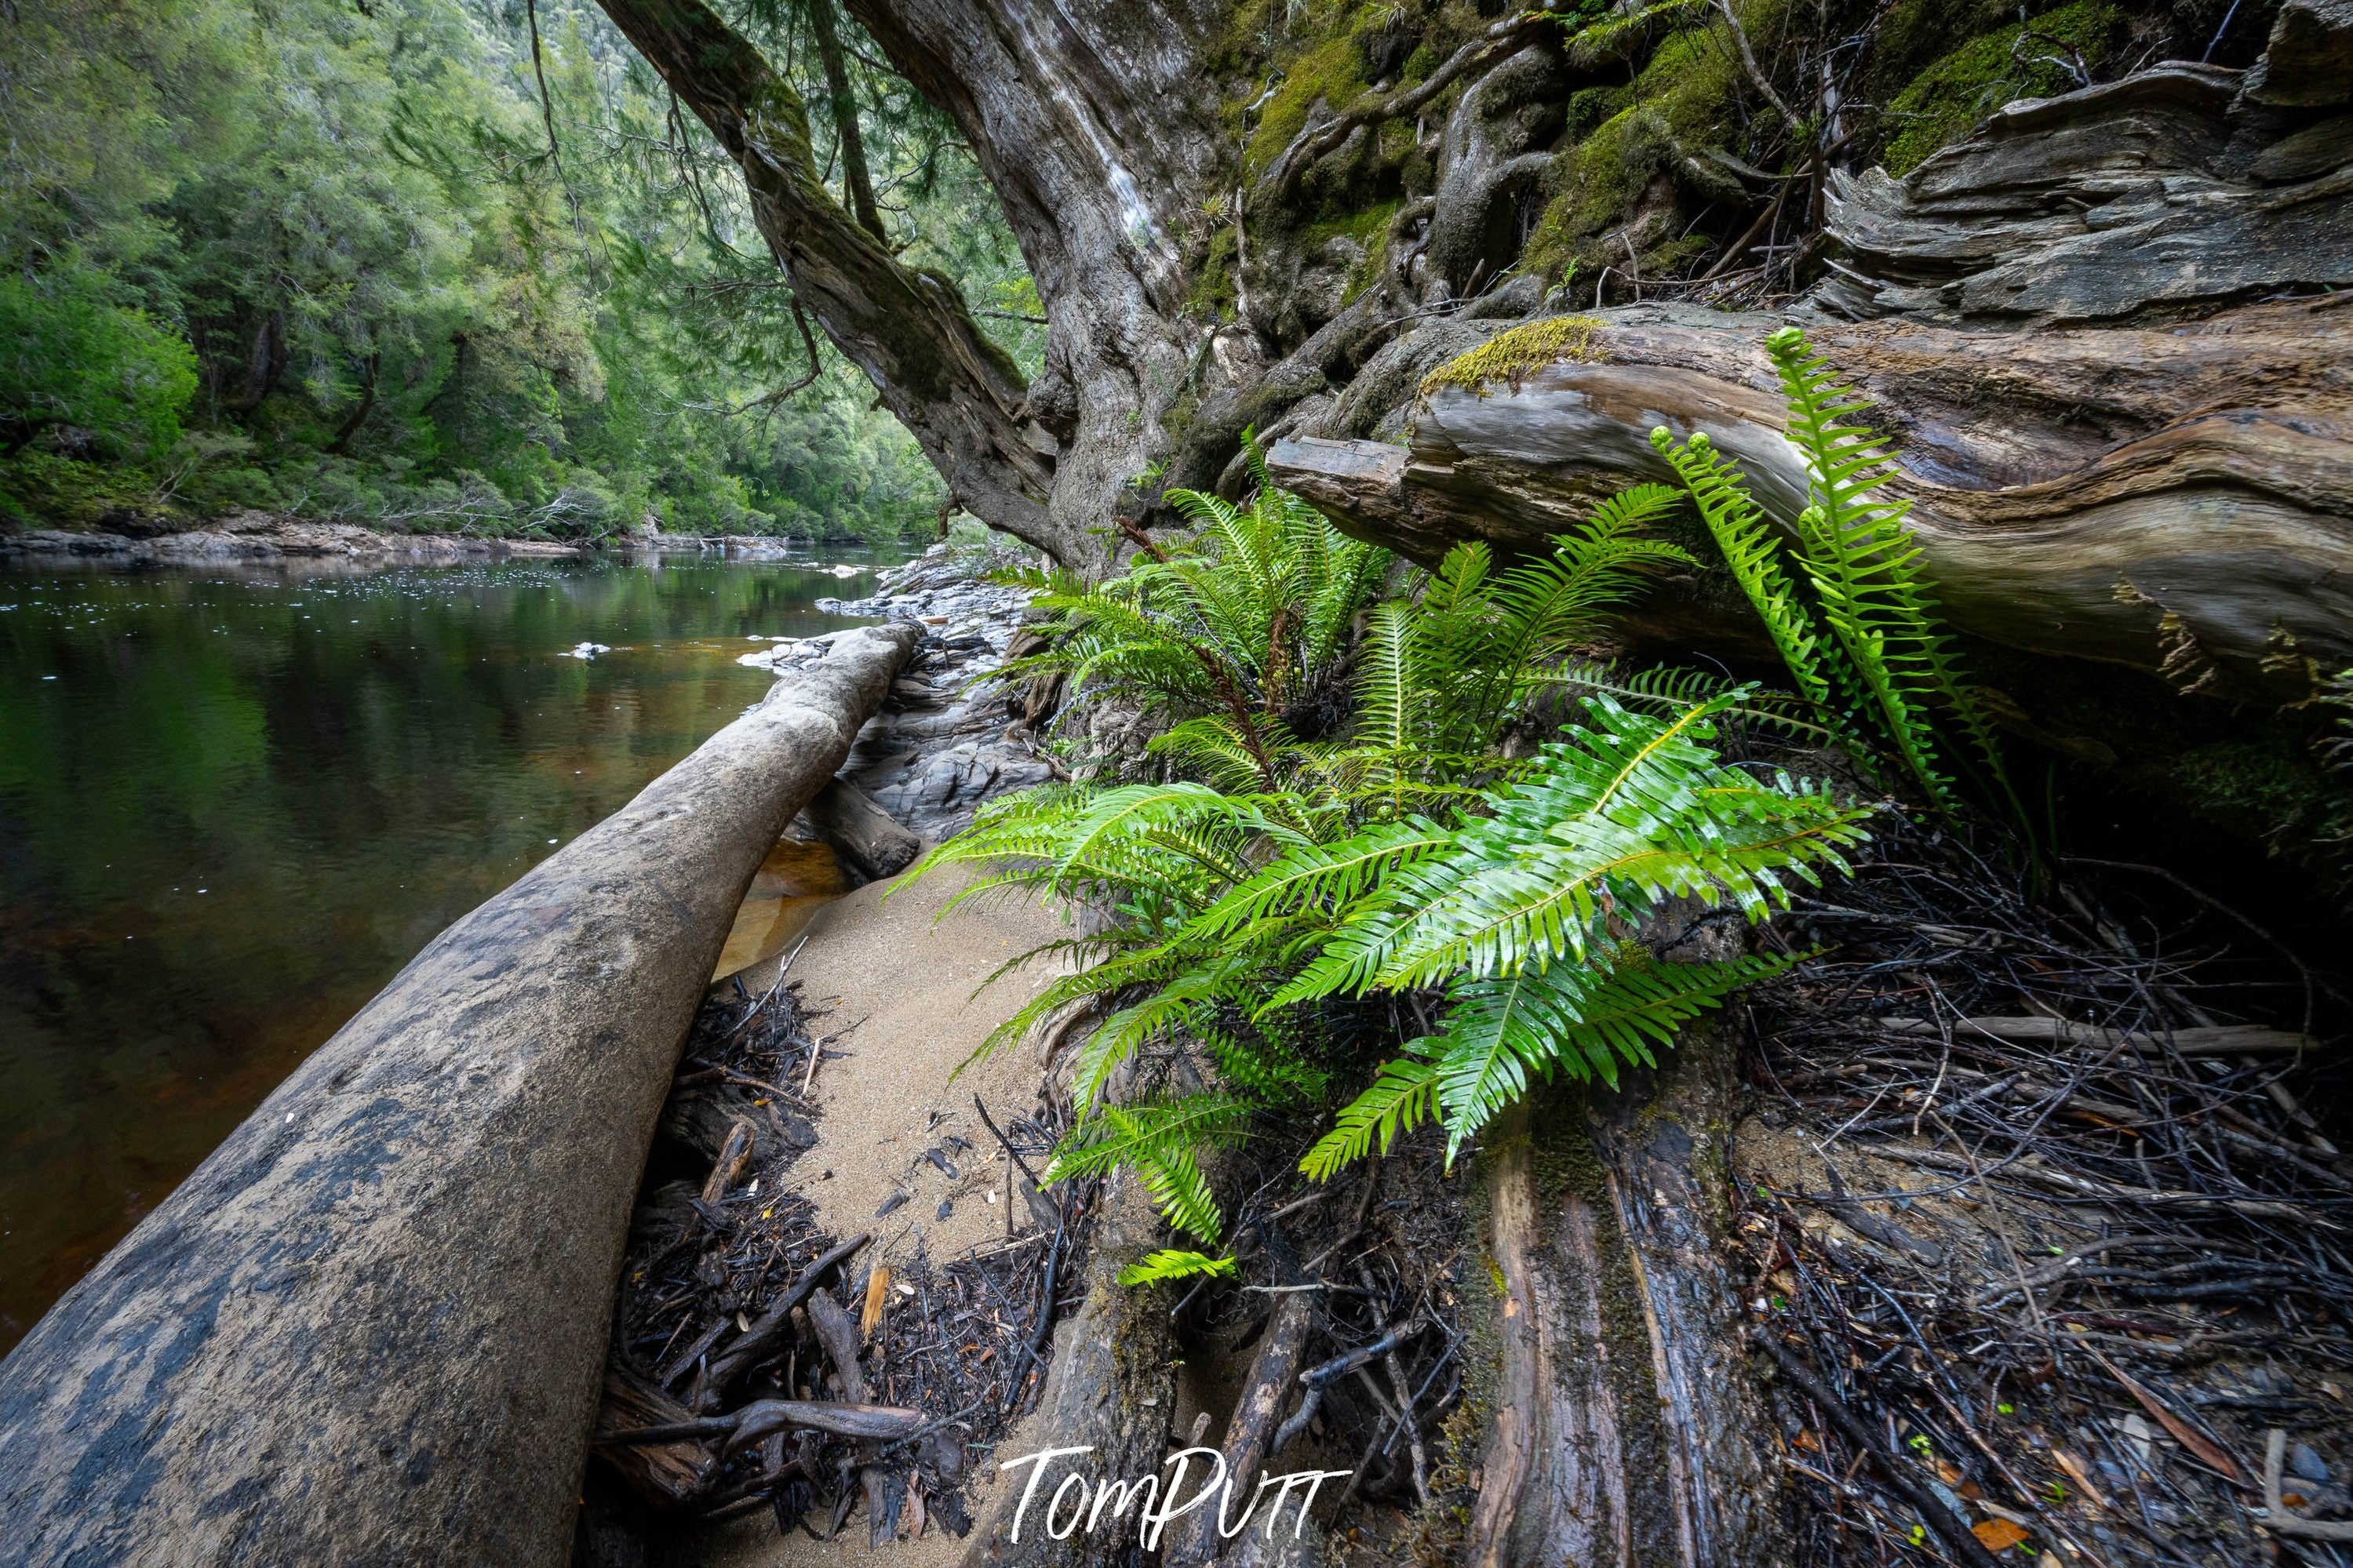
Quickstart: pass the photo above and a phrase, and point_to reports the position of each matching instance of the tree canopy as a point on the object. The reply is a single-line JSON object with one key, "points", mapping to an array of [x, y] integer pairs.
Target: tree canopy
{"points": [[435, 264]]}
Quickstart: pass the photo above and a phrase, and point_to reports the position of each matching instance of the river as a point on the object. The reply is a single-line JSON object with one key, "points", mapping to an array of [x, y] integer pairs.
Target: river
{"points": [[232, 805]]}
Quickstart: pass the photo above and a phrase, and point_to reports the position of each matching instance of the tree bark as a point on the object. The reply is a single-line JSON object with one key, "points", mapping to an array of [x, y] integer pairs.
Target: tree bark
{"points": [[2070, 489], [371, 1327], [1625, 1427], [844, 104], [959, 393]]}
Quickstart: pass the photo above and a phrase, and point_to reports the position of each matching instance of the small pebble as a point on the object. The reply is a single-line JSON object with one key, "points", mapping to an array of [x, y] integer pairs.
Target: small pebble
{"points": [[2305, 1464], [947, 1206]]}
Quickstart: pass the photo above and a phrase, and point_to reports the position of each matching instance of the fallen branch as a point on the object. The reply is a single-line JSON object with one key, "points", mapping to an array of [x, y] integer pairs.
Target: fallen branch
{"points": [[763, 1417]]}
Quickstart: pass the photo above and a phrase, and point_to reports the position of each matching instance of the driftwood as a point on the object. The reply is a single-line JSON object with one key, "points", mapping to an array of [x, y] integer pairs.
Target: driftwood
{"points": [[2216, 1040], [867, 838], [371, 1327], [772, 1324], [766, 1417]]}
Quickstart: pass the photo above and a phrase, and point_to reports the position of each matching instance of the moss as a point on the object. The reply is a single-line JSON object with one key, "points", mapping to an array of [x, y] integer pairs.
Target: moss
{"points": [[1942, 103], [1589, 106], [1332, 72], [1213, 294], [1508, 356]]}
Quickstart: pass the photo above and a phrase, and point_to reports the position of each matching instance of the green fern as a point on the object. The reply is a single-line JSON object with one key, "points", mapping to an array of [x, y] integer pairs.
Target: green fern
{"points": [[1744, 536], [1173, 1263], [1515, 916], [1872, 640], [1253, 899]]}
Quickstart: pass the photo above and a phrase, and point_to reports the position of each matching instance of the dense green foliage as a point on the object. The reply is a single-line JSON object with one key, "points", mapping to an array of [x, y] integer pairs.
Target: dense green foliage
{"points": [[1441, 884], [1272, 898], [342, 260]]}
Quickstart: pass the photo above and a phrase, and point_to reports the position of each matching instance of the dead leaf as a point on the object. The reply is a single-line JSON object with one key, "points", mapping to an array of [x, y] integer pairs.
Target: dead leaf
{"points": [[1997, 1535], [1948, 1472], [1807, 1440], [2183, 1434], [877, 1292], [913, 1523]]}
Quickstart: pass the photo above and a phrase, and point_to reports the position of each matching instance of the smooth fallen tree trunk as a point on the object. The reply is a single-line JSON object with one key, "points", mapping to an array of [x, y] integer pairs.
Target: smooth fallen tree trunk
{"points": [[371, 1327]]}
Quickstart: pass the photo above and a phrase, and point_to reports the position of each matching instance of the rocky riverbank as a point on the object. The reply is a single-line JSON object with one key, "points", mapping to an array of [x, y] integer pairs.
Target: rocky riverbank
{"points": [[260, 537]]}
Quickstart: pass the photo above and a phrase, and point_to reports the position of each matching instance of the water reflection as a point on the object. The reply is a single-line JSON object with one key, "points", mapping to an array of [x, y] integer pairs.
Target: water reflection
{"points": [[233, 805]]}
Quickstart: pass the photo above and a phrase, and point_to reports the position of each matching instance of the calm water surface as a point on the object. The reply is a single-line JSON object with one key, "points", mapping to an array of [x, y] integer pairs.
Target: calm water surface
{"points": [[231, 808]]}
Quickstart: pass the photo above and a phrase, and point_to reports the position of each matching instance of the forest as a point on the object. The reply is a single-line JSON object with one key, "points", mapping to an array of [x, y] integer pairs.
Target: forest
{"points": [[1683, 674], [434, 265]]}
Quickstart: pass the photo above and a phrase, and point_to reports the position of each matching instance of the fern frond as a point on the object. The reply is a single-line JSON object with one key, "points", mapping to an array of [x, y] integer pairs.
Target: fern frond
{"points": [[1403, 1095], [1582, 1020], [1742, 532], [1173, 1263]]}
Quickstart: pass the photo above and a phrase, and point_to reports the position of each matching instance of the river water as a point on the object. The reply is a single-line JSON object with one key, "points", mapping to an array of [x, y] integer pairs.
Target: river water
{"points": [[233, 805]]}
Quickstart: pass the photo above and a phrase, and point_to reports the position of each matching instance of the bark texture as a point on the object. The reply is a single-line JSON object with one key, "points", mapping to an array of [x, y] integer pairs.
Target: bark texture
{"points": [[2070, 490], [1625, 1426], [906, 329], [370, 1327]]}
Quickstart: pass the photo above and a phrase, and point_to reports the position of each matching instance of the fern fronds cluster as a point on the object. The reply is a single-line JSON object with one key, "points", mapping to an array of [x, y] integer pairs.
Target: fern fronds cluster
{"points": [[1518, 914], [1260, 908], [1871, 640]]}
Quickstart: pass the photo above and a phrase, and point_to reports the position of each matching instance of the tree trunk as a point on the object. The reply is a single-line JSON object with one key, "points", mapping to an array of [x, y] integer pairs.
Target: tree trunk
{"points": [[844, 104], [1625, 1427], [371, 1327], [959, 392]]}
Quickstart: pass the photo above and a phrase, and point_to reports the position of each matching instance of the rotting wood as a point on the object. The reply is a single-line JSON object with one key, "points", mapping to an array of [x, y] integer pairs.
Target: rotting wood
{"points": [[373, 1324]]}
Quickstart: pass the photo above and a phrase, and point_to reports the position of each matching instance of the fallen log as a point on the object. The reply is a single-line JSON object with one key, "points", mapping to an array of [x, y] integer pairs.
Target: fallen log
{"points": [[372, 1326], [869, 839], [2124, 437], [1626, 1426]]}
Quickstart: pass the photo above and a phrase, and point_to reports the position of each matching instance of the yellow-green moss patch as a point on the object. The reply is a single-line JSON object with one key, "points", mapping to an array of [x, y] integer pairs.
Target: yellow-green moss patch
{"points": [[1509, 356]]}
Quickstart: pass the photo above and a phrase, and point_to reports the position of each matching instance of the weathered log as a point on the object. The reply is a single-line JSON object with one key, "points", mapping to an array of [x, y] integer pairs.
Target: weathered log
{"points": [[1625, 1426], [867, 839], [2091, 474], [2094, 494], [372, 1326], [1111, 1391]]}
